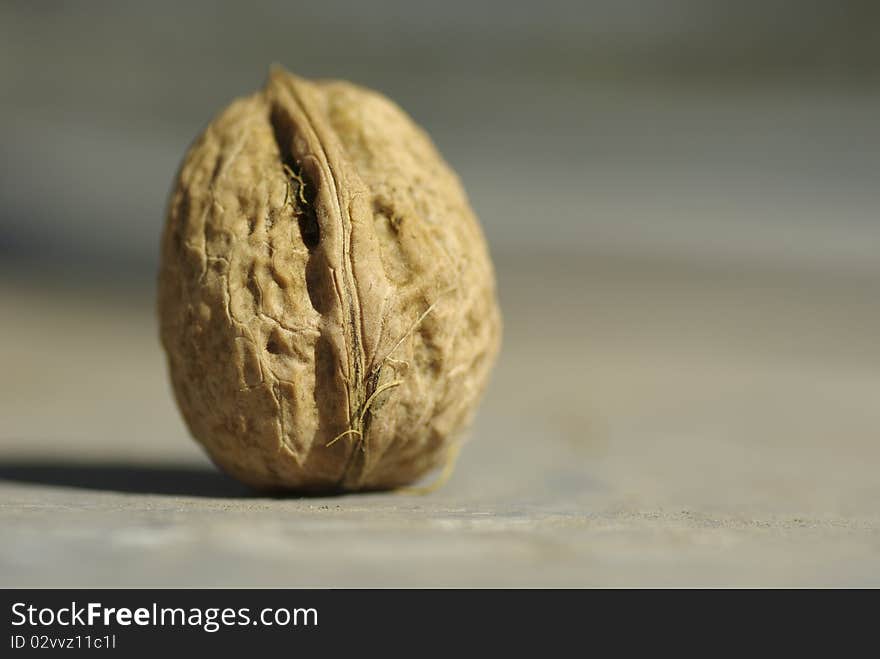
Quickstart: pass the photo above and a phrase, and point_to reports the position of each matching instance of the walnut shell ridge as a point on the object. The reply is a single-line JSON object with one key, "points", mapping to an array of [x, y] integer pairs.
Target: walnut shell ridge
{"points": [[326, 298]]}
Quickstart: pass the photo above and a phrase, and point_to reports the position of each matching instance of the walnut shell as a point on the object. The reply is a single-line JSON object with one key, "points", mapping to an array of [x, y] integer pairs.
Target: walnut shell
{"points": [[326, 298]]}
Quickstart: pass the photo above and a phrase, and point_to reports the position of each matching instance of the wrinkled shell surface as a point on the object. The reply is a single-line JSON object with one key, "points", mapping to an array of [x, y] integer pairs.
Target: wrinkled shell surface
{"points": [[324, 278]]}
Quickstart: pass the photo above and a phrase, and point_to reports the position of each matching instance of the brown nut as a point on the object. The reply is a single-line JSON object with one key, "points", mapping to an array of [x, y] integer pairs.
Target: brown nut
{"points": [[326, 298]]}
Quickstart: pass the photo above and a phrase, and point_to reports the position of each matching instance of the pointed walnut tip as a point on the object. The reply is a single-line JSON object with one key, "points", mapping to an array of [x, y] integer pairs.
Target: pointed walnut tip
{"points": [[278, 75], [276, 70]]}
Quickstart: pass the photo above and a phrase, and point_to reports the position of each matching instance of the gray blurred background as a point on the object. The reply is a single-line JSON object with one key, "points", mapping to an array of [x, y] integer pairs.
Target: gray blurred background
{"points": [[682, 201], [702, 129]]}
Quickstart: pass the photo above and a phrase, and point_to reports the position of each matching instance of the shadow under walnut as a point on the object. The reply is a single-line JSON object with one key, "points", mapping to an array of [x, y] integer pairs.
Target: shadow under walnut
{"points": [[326, 298]]}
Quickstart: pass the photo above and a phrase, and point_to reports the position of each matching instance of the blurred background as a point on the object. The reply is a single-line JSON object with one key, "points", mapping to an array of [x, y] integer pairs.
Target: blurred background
{"points": [[743, 131], [682, 200]]}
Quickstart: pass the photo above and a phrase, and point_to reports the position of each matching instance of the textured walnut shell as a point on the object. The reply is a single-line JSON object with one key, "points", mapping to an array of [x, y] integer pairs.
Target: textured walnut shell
{"points": [[326, 298]]}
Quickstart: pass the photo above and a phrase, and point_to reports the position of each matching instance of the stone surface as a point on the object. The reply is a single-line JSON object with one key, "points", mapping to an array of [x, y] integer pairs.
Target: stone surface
{"points": [[649, 423]]}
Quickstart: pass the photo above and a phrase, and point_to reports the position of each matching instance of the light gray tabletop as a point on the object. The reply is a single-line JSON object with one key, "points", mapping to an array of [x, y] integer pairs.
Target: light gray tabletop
{"points": [[649, 423]]}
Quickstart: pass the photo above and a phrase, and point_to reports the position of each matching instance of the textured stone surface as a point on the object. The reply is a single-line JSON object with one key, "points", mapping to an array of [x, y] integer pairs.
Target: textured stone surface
{"points": [[684, 426], [326, 298]]}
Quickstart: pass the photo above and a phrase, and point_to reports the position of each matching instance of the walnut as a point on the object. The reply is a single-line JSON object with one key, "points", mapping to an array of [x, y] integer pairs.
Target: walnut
{"points": [[326, 298]]}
